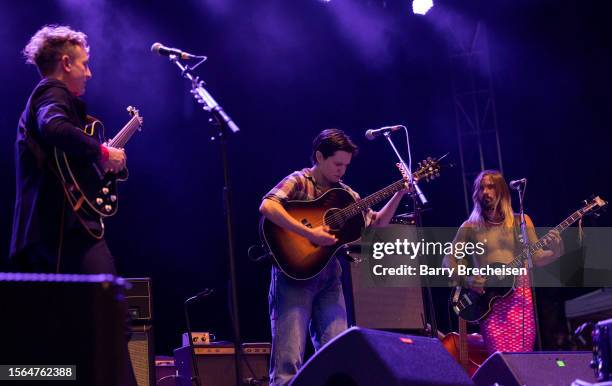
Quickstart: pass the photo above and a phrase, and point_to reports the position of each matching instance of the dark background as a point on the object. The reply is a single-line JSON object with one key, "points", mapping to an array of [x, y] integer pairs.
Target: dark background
{"points": [[286, 70]]}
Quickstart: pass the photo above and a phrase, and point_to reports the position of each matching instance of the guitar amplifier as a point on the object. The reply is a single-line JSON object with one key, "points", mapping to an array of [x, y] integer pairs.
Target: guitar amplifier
{"points": [[140, 346], [165, 371], [380, 306], [142, 354], [216, 363], [138, 297]]}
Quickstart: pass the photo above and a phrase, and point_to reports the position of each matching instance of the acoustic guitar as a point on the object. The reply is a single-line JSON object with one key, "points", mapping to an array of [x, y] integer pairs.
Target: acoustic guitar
{"points": [[297, 256]]}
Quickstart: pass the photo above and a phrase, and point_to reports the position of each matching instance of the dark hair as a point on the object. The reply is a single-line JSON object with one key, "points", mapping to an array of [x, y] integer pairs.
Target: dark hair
{"points": [[48, 45], [330, 141]]}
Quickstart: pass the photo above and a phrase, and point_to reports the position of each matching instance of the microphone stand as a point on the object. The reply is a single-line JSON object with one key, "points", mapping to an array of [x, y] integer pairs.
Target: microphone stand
{"points": [[223, 122], [195, 378], [418, 196], [521, 193]]}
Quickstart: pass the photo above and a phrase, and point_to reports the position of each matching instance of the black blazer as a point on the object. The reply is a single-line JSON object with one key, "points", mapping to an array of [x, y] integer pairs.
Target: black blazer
{"points": [[53, 117]]}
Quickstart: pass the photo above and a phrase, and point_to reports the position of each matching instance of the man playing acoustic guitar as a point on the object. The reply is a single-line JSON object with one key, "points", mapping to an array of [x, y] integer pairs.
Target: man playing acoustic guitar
{"points": [[316, 303], [510, 325]]}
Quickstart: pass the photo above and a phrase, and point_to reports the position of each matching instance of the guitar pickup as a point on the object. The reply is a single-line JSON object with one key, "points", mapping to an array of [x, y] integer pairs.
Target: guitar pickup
{"points": [[467, 299]]}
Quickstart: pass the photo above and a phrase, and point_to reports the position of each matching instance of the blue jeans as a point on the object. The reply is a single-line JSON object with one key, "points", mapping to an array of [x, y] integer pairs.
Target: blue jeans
{"points": [[315, 304]]}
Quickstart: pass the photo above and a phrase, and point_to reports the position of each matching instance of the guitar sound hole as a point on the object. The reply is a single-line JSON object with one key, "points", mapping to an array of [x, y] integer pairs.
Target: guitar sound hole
{"points": [[333, 220]]}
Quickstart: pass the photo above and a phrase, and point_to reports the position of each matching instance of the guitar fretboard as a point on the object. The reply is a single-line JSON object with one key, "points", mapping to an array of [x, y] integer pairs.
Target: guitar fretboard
{"points": [[518, 261], [125, 133], [373, 199]]}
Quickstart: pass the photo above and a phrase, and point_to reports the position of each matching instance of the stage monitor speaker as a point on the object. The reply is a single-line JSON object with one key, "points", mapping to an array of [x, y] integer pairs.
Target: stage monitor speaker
{"points": [[79, 320], [216, 365], [142, 354], [535, 368], [362, 357]]}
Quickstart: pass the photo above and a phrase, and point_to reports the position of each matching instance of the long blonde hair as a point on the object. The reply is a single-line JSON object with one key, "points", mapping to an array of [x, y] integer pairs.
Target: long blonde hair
{"points": [[502, 200]]}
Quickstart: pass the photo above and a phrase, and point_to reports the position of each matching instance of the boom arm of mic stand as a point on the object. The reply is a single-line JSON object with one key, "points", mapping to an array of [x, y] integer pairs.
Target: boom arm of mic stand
{"points": [[204, 96], [418, 190]]}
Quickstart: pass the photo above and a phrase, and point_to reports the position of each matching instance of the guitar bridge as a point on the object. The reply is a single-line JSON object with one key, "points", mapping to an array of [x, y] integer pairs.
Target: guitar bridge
{"points": [[305, 222]]}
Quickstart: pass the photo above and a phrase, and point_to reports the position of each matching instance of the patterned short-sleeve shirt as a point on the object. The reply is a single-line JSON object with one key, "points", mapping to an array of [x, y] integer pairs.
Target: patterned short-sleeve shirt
{"points": [[301, 185]]}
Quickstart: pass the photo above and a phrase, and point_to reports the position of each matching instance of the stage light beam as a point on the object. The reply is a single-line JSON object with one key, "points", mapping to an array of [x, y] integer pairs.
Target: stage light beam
{"points": [[421, 7]]}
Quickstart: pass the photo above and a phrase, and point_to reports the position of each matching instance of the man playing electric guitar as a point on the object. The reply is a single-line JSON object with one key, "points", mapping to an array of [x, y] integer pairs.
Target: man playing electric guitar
{"points": [[47, 235], [510, 325], [317, 303]]}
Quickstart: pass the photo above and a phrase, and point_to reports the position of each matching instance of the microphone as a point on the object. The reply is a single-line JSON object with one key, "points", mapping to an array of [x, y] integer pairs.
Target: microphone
{"points": [[167, 51], [517, 184], [373, 133]]}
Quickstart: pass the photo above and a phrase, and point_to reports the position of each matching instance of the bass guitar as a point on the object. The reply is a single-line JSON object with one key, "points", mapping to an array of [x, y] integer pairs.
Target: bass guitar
{"points": [[297, 256], [92, 192], [474, 307]]}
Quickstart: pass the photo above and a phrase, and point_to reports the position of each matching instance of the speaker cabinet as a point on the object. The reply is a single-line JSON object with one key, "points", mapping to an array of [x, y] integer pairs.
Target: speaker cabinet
{"points": [[142, 354], [384, 303], [140, 346], [49, 319]]}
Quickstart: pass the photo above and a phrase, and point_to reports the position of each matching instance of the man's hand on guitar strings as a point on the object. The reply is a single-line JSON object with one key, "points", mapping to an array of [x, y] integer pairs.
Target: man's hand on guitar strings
{"points": [[553, 242], [408, 187], [320, 236], [476, 284], [116, 160]]}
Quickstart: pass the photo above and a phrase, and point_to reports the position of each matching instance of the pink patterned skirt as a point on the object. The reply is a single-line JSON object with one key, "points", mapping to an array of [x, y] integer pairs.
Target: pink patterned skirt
{"points": [[511, 326]]}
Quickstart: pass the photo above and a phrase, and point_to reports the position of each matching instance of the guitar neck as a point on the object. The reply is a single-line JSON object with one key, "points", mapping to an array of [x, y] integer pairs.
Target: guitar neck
{"points": [[518, 261], [124, 135], [463, 349], [371, 200]]}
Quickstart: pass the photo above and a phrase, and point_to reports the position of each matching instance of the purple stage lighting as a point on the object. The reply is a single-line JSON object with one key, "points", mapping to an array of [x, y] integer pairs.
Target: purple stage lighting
{"points": [[420, 7]]}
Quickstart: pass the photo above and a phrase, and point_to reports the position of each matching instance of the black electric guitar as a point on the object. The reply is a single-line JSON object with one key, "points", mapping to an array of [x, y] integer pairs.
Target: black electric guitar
{"points": [[297, 256], [92, 192], [474, 307]]}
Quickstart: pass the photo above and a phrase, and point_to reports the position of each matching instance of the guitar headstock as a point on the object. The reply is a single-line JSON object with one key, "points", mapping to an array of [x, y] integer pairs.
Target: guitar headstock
{"points": [[429, 169], [133, 111], [593, 205]]}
